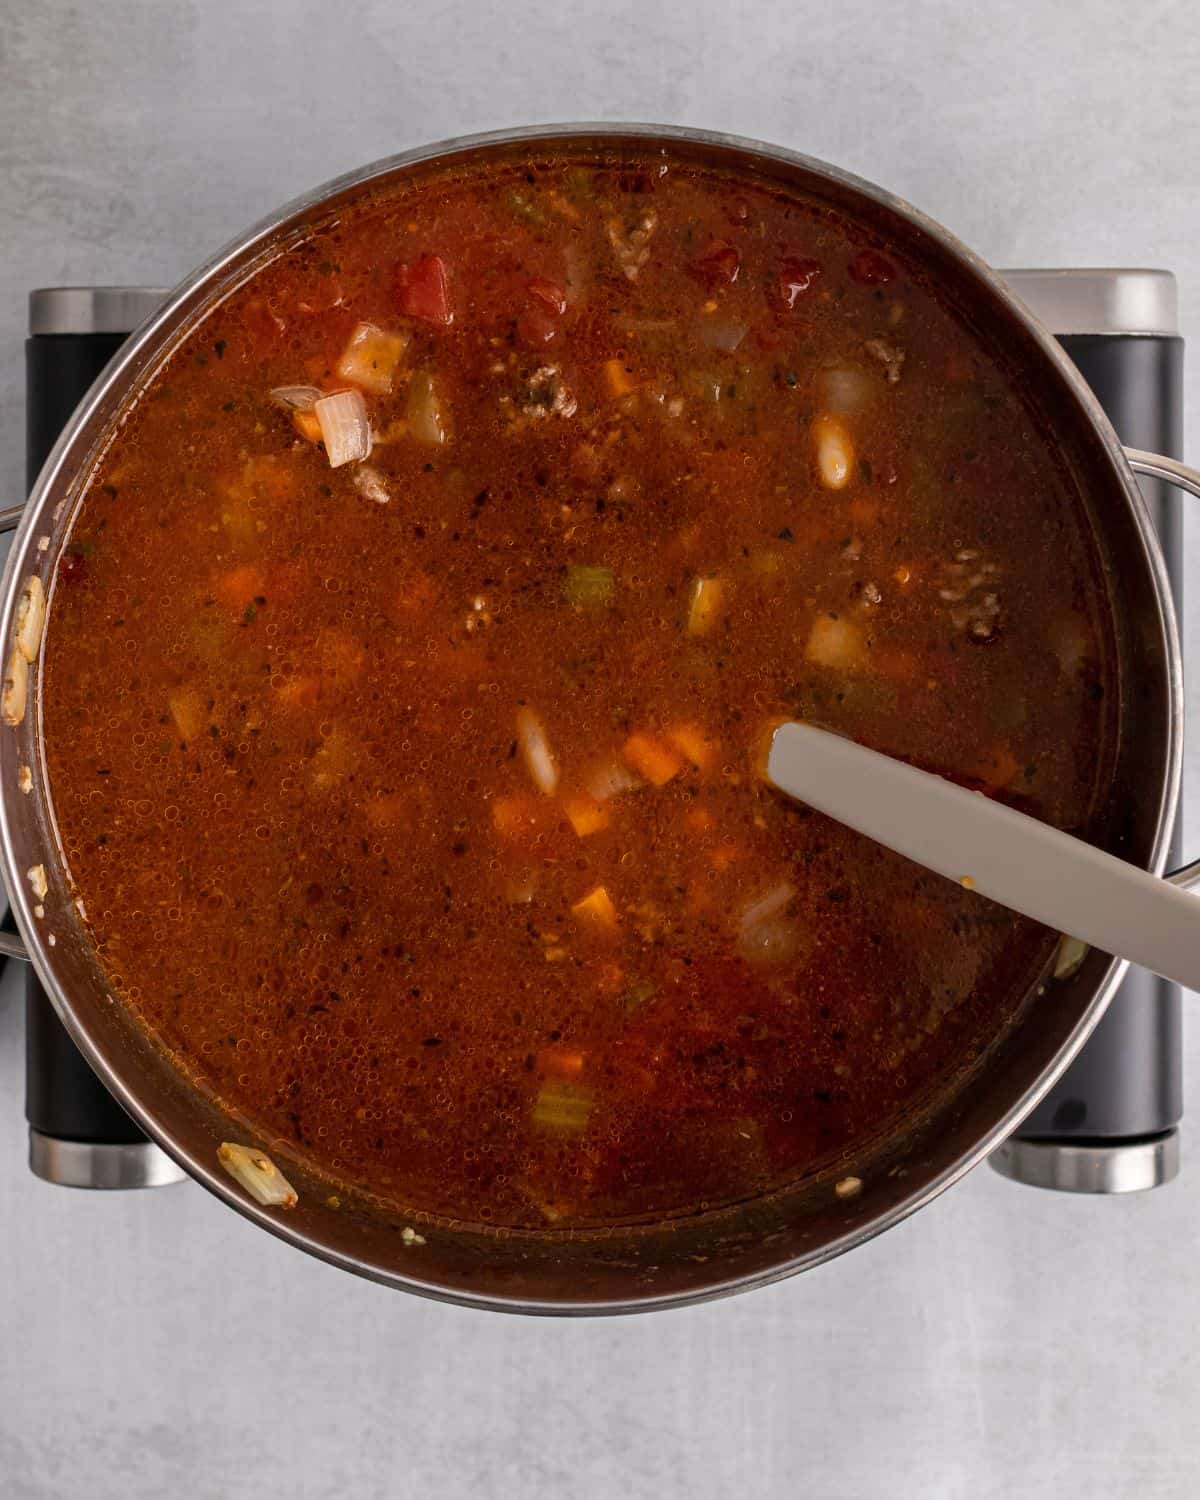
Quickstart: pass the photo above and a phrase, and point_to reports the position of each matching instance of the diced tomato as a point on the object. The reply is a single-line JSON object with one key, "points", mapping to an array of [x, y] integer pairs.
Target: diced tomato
{"points": [[423, 291], [262, 323], [719, 265], [536, 326], [796, 275], [550, 296], [869, 268], [539, 321]]}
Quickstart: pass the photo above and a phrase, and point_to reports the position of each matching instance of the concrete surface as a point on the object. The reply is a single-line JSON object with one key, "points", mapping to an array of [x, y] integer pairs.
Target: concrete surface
{"points": [[1003, 1343]]}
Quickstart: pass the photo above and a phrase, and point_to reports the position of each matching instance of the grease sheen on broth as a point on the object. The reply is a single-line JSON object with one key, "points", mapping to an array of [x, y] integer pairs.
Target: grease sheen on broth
{"points": [[414, 801]]}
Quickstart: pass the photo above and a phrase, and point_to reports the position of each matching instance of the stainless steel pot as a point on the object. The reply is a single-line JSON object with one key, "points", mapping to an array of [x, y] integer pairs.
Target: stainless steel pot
{"points": [[710, 1255]]}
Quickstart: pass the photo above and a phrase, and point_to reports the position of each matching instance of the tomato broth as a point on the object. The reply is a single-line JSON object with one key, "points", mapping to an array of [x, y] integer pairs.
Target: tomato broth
{"points": [[409, 667]]}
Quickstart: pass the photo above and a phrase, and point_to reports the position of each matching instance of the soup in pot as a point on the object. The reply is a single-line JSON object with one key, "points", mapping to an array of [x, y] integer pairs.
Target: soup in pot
{"points": [[409, 669]]}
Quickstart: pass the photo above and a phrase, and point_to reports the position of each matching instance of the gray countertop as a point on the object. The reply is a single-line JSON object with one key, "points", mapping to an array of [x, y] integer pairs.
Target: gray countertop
{"points": [[1003, 1342]]}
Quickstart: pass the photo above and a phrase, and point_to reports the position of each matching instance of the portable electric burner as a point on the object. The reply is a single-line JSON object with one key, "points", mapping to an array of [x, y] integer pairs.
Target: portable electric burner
{"points": [[1110, 1125]]}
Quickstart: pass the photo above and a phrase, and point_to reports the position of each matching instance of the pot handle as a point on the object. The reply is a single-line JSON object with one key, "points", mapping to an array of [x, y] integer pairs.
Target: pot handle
{"points": [[10, 517], [1170, 471]]}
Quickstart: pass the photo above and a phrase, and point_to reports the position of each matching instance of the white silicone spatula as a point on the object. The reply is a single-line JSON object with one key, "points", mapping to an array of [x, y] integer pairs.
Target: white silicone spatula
{"points": [[1021, 863]]}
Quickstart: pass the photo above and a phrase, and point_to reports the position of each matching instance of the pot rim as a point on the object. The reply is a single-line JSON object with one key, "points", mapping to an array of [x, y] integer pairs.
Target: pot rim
{"points": [[155, 335]]}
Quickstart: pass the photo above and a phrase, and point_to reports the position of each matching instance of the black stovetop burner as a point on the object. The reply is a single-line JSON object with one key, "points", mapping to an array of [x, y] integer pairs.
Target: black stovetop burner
{"points": [[1110, 1125]]}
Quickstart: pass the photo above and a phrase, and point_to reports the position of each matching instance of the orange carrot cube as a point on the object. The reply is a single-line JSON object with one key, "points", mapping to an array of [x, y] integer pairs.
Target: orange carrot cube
{"points": [[657, 762], [596, 911], [619, 377], [586, 815], [695, 743]]}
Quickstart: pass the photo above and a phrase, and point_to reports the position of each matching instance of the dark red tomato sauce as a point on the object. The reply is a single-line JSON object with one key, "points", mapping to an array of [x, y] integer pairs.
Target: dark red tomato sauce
{"points": [[414, 799]]}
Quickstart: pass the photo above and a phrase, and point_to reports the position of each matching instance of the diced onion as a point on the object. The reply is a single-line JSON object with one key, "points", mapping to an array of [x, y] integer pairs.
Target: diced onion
{"points": [[765, 935], [721, 333], [610, 779], [36, 875], [1071, 953], [296, 397], [258, 1174], [371, 484], [846, 388], [834, 451], [705, 605], [1071, 641], [16, 688], [834, 642], [535, 747], [31, 614], [345, 428]]}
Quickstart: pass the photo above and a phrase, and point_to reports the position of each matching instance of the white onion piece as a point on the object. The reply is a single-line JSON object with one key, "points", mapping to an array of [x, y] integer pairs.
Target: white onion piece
{"points": [[536, 749], [846, 388], [296, 397], [1071, 953], [16, 688], [765, 935], [371, 484], [36, 876], [721, 333], [258, 1174], [31, 614], [1071, 642], [345, 427], [610, 779]]}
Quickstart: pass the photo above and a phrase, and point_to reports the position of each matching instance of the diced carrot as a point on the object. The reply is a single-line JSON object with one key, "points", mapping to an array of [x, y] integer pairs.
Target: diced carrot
{"points": [[333, 762], [340, 655], [586, 815], [418, 593], [899, 666], [996, 765], [700, 820], [696, 743], [390, 811], [760, 745], [609, 979], [188, 712], [725, 855], [560, 1062], [657, 762], [619, 377], [864, 511], [267, 476], [240, 586], [699, 899], [306, 424], [596, 910], [518, 819], [301, 692], [462, 663]]}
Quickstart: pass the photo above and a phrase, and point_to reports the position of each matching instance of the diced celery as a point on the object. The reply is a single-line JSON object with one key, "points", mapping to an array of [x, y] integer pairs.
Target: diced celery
{"points": [[588, 587], [562, 1108]]}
